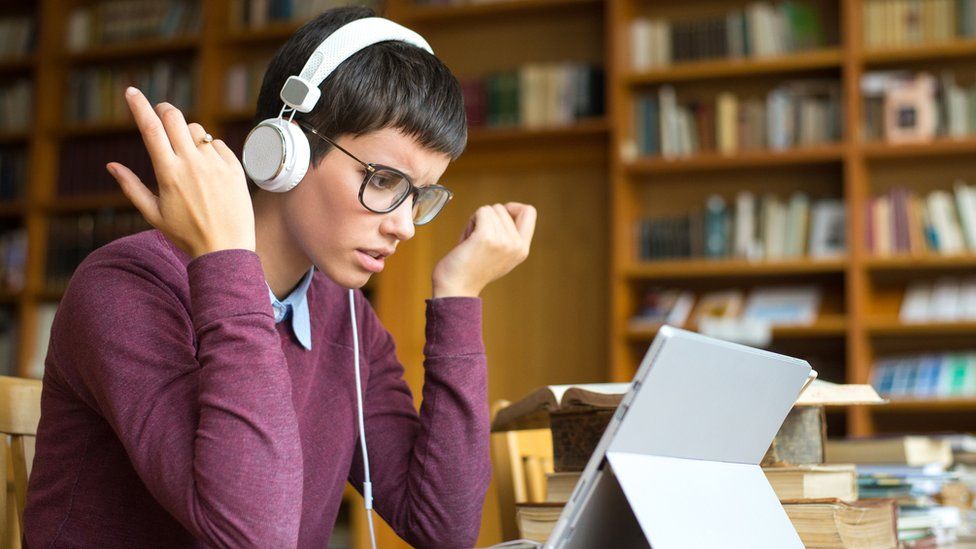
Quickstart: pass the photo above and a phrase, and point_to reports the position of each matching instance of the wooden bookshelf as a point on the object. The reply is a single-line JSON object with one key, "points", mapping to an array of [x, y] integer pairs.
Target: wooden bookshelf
{"points": [[466, 13], [825, 154], [827, 326], [704, 268], [861, 168], [740, 68], [157, 47]]}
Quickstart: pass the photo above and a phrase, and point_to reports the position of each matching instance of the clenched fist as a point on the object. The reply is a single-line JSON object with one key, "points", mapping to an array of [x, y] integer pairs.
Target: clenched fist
{"points": [[495, 241]]}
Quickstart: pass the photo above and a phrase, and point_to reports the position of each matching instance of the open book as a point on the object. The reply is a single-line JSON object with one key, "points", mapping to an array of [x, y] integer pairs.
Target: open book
{"points": [[532, 411]]}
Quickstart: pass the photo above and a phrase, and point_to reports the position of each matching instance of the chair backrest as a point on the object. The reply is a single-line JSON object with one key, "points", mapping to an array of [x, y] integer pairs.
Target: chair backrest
{"points": [[520, 460], [20, 411]]}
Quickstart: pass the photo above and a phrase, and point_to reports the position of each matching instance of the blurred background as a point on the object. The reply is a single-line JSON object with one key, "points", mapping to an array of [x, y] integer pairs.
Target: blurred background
{"points": [[791, 174]]}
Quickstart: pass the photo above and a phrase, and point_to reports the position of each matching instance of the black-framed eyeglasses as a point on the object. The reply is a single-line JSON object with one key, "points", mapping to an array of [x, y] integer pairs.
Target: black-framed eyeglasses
{"points": [[385, 188]]}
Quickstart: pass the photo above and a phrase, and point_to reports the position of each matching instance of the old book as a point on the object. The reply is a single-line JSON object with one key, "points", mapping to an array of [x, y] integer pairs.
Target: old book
{"points": [[813, 482], [825, 393], [909, 450], [536, 520], [532, 411], [800, 439], [828, 524], [559, 486], [575, 435]]}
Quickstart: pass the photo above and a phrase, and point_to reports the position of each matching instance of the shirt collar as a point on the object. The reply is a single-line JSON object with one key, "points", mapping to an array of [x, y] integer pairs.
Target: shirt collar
{"points": [[295, 309]]}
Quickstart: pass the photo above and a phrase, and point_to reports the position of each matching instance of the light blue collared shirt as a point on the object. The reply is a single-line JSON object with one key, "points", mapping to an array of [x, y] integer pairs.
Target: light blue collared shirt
{"points": [[295, 308]]}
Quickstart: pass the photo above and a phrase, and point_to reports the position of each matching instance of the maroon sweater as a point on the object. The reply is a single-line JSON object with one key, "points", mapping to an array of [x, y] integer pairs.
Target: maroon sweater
{"points": [[176, 413]]}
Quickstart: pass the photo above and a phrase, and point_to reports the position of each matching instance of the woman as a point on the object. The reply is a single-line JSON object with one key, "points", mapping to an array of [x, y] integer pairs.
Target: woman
{"points": [[199, 387]]}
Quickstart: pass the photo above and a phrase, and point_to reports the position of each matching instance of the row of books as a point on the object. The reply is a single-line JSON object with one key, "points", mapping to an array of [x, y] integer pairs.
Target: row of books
{"points": [[794, 114], [762, 29], [922, 475], [9, 340], [16, 36], [13, 172], [258, 13], [81, 164], [72, 237], [121, 21], [947, 299], [243, 83], [13, 259], [777, 305], [95, 94], [938, 375], [535, 95], [752, 228], [16, 104], [941, 222], [909, 107], [894, 23]]}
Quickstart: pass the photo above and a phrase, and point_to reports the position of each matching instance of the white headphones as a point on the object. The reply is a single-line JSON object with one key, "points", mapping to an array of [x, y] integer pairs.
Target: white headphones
{"points": [[276, 152]]}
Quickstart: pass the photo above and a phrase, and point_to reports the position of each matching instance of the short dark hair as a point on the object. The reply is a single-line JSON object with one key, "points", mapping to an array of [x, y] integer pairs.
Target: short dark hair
{"points": [[390, 84]]}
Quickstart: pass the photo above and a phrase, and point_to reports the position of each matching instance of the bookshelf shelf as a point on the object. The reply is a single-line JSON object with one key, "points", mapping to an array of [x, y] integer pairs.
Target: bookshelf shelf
{"points": [[14, 137], [17, 65], [704, 268], [82, 203], [922, 52], [583, 129], [894, 327], [271, 34], [134, 50], [12, 208], [462, 12], [826, 154], [927, 405], [927, 262], [735, 68], [105, 127], [826, 326], [938, 147]]}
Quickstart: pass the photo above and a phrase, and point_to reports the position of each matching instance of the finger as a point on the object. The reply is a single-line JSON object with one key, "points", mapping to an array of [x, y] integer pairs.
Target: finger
{"points": [[175, 124], [472, 223], [137, 192], [150, 127], [197, 134], [486, 221], [506, 223], [525, 218], [224, 151]]}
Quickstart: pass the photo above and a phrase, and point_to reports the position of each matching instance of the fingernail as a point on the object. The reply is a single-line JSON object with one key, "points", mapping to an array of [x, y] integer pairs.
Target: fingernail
{"points": [[111, 170], [131, 91]]}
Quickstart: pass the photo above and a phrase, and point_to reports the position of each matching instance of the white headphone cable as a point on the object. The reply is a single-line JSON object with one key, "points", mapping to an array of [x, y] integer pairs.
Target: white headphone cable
{"points": [[367, 485]]}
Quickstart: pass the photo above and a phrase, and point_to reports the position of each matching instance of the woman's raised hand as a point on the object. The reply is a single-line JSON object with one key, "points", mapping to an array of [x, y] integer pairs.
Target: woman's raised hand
{"points": [[203, 204]]}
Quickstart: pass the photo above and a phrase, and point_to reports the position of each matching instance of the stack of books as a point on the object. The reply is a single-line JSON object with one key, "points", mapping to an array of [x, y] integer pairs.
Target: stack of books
{"points": [[912, 470], [946, 299], [95, 94], [751, 227], [941, 222], [926, 376], [821, 500], [16, 37], [535, 95], [760, 30], [900, 23], [16, 104], [120, 21], [800, 113], [252, 14], [915, 107]]}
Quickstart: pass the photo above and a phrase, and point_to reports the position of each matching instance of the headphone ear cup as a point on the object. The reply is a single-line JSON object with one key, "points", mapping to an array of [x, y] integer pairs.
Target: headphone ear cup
{"points": [[276, 155]]}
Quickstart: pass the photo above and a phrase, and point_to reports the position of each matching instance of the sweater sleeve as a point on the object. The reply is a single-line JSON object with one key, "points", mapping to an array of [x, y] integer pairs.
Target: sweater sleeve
{"points": [[430, 472], [199, 395]]}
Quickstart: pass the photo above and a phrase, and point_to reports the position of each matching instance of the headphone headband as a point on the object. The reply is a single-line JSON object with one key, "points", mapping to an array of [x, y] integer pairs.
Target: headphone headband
{"points": [[302, 92]]}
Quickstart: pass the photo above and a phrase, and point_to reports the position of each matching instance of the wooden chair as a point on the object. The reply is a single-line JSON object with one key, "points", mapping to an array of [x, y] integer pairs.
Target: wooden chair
{"points": [[20, 410], [520, 460]]}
